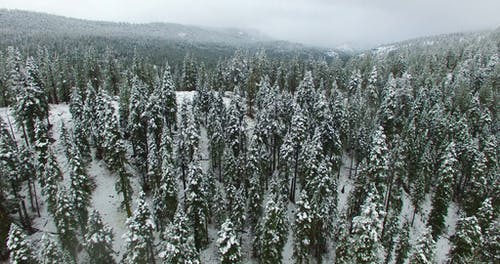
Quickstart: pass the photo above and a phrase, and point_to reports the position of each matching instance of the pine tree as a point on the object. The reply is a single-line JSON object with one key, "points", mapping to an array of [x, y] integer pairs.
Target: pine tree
{"points": [[236, 206], [342, 243], [215, 134], [187, 144], [189, 73], [305, 95], [366, 228], [153, 164], [31, 103], [124, 187], [303, 230], [20, 250], [443, 193], [229, 244], [466, 241], [196, 206], [165, 197], [138, 125], [377, 169], [41, 146], [90, 113], [80, 189], [272, 233], [292, 147], [177, 244], [403, 246], [50, 252], [98, 240], [168, 99], [486, 215], [52, 175], [323, 199], [423, 251], [256, 185], [66, 221], [490, 246], [13, 74], [139, 247], [76, 107]]}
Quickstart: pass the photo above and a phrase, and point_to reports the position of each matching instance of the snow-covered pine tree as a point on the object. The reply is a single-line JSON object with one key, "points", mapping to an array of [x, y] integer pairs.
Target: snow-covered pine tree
{"points": [[65, 219], [31, 103], [490, 247], [80, 188], [138, 124], [154, 118], [177, 245], [90, 112], [50, 252], [303, 231], [256, 183], [377, 169], [235, 206], [292, 146], [322, 189], [477, 188], [13, 74], [366, 227], [342, 243], [81, 142], [27, 171], [486, 215], [305, 95], [165, 197], [403, 246], [423, 250], [215, 134], [153, 164], [41, 146], [228, 244], [124, 187], [168, 99], [372, 89], [196, 205], [272, 232], [52, 175], [235, 129], [187, 144], [19, 247], [98, 240], [189, 73], [139, 246], [76, 106], [443, 192], [466, 242]]}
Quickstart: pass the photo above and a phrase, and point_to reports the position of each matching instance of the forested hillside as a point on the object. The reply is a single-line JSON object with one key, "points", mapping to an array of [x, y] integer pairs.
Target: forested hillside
{"points": [[152, 42], [388, 156]]}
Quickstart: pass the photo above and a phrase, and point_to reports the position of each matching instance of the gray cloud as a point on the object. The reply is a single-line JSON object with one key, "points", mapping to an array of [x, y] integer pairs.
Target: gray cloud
{"points": [[317, 22]]}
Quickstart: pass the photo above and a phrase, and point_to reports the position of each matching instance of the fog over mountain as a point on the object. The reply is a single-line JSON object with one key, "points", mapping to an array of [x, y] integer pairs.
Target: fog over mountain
{"points": [[358, 23]]}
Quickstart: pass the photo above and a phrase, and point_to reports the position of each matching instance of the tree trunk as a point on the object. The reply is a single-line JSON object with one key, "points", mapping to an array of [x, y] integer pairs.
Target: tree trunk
{"points": [[350, 168], [294, 180], [413, 216], [36, 200]]}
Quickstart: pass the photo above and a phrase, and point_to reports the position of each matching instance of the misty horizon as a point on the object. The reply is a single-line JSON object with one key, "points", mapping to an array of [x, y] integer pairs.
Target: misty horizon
{"points": [[358, 24]]}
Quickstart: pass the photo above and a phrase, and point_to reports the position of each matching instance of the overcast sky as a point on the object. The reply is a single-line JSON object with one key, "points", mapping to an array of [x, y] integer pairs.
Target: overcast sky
{"points": [[317, 22]]}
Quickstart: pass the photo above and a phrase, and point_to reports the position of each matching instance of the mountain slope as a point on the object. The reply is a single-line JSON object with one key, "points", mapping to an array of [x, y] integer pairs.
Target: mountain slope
{"points": [[32, 23], [156, 41]]}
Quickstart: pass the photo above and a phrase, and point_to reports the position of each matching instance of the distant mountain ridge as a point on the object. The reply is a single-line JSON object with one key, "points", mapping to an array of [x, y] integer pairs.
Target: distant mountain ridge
{"points": [[157, 42], [33, 23]]}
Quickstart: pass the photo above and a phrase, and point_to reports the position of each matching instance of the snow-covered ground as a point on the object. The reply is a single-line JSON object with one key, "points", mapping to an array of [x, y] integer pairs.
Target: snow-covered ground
{"points": [[106, 200]]}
